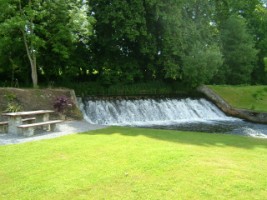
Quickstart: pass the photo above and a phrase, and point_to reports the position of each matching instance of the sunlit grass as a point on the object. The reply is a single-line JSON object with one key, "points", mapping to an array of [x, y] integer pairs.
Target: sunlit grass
{"points": [[244, 97], [131, 163]]}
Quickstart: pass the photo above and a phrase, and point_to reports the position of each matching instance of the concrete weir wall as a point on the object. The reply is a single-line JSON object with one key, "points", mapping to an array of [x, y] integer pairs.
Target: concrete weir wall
{"points": [[252, 116]]}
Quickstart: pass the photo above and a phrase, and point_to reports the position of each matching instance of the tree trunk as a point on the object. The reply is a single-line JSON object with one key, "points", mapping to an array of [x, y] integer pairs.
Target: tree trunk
{"points": [[32, 58], [34, 72], [30, 52]]}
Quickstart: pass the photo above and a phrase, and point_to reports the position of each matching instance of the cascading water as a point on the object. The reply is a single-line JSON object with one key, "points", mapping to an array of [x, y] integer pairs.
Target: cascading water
{"points": [[179, 114], [150, 111]]}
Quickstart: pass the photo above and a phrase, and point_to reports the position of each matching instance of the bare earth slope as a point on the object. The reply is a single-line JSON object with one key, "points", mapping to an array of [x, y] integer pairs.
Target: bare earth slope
{"points": [[37, 99]]}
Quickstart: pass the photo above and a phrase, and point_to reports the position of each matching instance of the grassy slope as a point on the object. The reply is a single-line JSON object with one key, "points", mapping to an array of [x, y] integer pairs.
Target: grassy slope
{"points": [[244, 97], [129, 163]]}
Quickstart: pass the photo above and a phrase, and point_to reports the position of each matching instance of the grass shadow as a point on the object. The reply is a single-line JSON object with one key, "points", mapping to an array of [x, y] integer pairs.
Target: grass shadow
{"points": [[186, 137]]}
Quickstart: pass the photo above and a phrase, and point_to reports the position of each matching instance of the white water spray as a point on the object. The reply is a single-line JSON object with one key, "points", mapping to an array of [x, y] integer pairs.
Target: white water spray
{"points": [[150, 111]]}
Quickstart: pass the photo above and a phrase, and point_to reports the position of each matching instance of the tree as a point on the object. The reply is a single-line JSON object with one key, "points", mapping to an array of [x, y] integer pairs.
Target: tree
{"points": [[152, 39], [254, 13], [201, 64], [35, 24], [168, 19], [115, 45], [259, 22], [201, 55], [239, 50]]}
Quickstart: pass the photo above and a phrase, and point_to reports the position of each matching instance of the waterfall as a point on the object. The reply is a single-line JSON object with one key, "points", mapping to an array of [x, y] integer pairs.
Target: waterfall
{"points": [[149, 111]]}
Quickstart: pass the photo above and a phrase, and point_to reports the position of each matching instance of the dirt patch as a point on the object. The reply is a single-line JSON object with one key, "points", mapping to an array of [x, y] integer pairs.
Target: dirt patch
{"points": [[37, 99]]}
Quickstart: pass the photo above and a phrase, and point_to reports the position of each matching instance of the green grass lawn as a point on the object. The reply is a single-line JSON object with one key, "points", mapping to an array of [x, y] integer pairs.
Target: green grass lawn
{"points": [[131, 163], [244, 97]]}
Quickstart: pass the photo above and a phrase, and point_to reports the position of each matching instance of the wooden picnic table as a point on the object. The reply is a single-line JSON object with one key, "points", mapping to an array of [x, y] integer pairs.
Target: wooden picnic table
{"points": [[15, 118]]}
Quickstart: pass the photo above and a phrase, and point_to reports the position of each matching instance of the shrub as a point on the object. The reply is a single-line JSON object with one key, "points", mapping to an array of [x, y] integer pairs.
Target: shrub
{"points": [[13, 107], [62, 104], [13, 104]]}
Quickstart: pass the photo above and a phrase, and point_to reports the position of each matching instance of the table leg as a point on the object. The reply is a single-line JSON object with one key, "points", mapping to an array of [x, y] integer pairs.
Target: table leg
{"points": [[42, 117], [13, 123], [45, 118]]}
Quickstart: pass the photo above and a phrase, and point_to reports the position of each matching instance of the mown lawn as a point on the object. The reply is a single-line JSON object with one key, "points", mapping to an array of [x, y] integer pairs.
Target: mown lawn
{"points": [[132, 163], [244, 97]]}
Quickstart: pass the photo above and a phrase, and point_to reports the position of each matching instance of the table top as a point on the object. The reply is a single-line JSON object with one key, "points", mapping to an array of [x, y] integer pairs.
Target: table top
{"points": [[25, 113]]}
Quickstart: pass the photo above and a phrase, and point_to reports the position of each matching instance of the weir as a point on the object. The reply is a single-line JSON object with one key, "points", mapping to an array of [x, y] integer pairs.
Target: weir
{"points": [[187, 114], [150, 111]]}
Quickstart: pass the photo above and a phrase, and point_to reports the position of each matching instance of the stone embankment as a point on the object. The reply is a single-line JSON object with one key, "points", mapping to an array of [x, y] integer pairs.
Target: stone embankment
{"points": [[249, 115]]}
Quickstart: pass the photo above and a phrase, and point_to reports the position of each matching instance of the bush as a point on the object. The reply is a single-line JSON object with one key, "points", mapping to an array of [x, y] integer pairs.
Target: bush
{"points": [[13, 104], [62, 104], [142, 88]]}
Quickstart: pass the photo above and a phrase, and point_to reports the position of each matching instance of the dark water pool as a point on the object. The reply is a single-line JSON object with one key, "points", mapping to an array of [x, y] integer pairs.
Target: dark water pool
{"points": [[237, 127]]}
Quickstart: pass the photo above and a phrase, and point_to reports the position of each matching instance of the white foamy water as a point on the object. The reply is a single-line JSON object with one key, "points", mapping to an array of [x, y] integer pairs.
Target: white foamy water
{"points": [[179, 114], [150, 111]]}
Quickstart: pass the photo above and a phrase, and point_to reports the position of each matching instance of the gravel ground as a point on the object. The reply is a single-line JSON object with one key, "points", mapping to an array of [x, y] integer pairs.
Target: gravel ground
{"points": [[66, 128]]}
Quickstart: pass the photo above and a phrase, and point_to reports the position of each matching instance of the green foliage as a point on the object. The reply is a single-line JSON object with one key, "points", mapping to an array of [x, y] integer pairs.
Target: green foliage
{"points": [[265, 64], [12, 103], [10, 97], [169, 38], [45, 26], [201, 64], [126, 42], [13, 107], [201, 56], [238, 50], [145, 88]]}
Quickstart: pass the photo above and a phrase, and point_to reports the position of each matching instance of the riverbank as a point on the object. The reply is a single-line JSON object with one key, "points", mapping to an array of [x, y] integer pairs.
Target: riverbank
{"points": [[65, 128], [243, 97], [227, 105], [245, 102]]}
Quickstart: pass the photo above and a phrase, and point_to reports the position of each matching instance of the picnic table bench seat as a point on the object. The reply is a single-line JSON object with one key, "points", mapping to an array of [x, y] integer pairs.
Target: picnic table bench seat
{"points": [[4, 124], [28, 129]]}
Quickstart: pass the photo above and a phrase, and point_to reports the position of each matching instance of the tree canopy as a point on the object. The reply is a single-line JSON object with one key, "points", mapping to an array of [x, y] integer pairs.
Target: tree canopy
{"points": [[122, 42], [42, 26]]}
